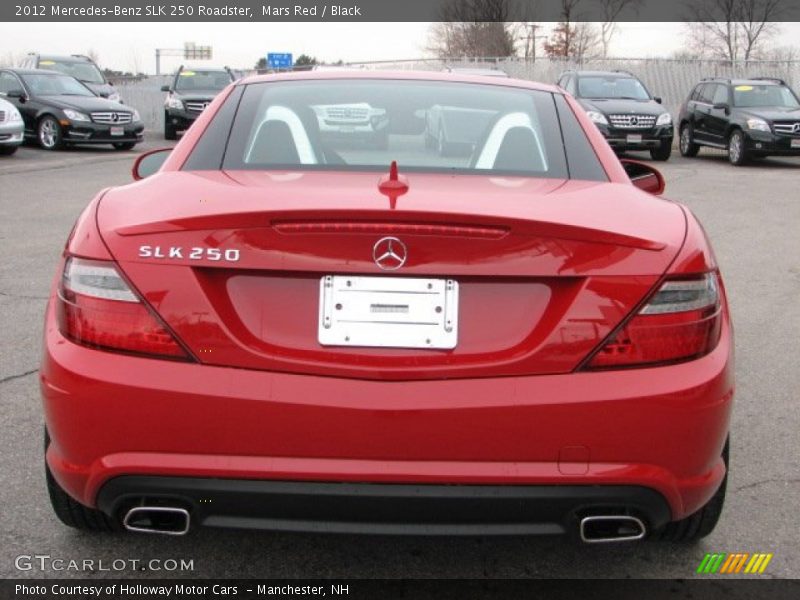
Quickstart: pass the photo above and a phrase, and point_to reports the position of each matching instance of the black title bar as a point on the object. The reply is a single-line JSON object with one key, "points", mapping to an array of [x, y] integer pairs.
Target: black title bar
{"points": [[368, 11]]}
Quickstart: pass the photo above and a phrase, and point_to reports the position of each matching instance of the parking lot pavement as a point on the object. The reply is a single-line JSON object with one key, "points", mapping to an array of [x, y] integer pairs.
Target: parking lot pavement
{"points": [[752, 216]]}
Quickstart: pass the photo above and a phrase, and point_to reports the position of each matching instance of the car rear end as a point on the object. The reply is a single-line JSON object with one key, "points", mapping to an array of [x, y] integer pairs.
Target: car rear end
{"points": [[285, 348]]}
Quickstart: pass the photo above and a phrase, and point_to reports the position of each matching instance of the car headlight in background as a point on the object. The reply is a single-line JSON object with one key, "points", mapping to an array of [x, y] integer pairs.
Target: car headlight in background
{"points": [[597, 117], [173, 102], [14, 116], [114, 97], [74, 115], [665, 119], [136, 116], [758, 124]]}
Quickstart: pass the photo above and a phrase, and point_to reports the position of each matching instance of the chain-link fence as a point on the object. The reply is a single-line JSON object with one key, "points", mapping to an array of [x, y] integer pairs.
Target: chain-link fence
{"points": [[670, 79]]}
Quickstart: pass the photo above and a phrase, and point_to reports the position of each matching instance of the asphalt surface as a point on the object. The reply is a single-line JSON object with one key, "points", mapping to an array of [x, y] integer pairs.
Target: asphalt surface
{"points": [[753, 218]]}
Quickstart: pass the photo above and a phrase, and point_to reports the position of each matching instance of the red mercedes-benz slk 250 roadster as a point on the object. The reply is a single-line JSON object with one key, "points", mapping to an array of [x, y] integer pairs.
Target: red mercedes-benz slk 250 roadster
{"points": [[315, 313]]}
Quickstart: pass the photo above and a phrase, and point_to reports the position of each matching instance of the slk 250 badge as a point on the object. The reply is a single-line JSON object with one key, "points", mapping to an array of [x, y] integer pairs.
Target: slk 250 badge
{"points": [[212, 254]]}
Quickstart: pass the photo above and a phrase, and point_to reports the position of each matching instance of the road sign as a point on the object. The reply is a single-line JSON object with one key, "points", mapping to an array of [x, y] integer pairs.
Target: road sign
{"points": [[279, 60]]}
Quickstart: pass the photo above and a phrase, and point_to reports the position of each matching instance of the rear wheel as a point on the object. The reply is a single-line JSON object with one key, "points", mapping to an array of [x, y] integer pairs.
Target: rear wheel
{"points": [[663, 151], [703, 522], [70, 512], [686, 145], [737, 153], [49, 134]]}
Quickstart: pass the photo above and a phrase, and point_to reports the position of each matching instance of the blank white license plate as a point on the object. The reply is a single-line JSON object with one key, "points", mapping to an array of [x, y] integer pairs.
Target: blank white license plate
{"points": [[388, 312], [795, 143], [117, 131], [635, 139]]}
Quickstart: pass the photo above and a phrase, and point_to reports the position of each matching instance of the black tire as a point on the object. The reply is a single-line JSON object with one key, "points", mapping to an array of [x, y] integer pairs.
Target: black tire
{"points": [[124, 145], [663, 151], [703, 522], [686, 143], [737, 153], [8, 150], [49, 133], [170, 133], [69, 511]]}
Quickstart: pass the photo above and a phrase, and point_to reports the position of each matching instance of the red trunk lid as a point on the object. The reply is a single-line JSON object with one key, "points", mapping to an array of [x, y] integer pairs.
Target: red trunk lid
{"points": [[546, 268]]}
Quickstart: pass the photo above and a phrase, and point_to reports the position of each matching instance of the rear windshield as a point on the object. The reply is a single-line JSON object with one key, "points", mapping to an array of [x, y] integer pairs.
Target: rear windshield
{"points": [[82, 71], [424, 126], [626, 88], [202, 80], [752, 96]]}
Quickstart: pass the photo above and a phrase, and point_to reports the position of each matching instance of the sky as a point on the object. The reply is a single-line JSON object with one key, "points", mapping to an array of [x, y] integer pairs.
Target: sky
{"points": [[131, 46]]}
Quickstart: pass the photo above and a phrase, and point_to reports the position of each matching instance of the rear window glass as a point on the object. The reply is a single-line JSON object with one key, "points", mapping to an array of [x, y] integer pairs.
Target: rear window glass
{"points": [[424, 126]]}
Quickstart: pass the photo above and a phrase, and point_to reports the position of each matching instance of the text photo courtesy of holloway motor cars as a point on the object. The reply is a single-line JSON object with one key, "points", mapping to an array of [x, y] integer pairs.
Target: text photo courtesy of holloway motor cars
{"points": [[320, 296]]}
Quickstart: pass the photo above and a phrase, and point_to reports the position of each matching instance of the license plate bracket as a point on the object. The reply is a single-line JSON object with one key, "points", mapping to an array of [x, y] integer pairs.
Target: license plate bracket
{"points": [[795, 143], [634, 138], [117, 131], [388, 312]]}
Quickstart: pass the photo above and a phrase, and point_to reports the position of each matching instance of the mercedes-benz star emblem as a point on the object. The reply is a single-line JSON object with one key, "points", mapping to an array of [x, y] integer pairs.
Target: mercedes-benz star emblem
{"points": [[796, 128], [114, 117], [634, 120], [389, 253]]}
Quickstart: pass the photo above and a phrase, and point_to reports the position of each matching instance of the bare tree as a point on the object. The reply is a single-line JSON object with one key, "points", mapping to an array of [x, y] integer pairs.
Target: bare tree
{"points": [[572, 38], [611, 11], [473, 28], [733, 29]]}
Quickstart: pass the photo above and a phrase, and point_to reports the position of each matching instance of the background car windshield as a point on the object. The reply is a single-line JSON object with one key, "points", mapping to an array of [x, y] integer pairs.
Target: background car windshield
{"points": [[753, 96], [202, 80], [424, 126], [79, 70], [611, 87], [56, 85]]}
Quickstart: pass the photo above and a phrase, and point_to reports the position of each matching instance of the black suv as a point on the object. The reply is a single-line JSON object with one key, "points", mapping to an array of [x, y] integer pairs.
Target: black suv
{"points": [[623, 110], [78, 66], [59, 110], [749, 117], [191, 91]]}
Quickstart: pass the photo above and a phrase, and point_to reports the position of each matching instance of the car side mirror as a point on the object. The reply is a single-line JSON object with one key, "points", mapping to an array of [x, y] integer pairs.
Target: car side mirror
{"points": [[658, 99], [149, 163], [644, 176], [18, 94], [164, 88]]}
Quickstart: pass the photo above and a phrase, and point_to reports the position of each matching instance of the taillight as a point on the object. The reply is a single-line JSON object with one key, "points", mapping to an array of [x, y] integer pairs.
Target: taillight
{"points": [[97, 308], [681, 321]]}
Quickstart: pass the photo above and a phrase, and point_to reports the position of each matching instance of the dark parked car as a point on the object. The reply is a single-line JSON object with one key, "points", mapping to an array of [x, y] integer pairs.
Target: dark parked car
{"points": [[623, 109], [190, 92], [749, 117], [60, 110], [81, 67]]}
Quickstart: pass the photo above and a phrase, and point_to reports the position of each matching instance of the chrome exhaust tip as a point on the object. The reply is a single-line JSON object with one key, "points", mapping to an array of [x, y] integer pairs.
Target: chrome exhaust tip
{"points": [[166, 520], [611, 528]]}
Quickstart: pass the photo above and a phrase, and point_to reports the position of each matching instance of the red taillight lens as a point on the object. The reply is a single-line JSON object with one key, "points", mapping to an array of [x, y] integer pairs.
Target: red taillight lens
{"points": [[681, 321], [97, 308]]}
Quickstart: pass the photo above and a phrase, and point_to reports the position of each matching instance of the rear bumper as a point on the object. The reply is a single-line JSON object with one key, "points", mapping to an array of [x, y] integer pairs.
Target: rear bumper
{"points": [[111, 416], [384, 508]]}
